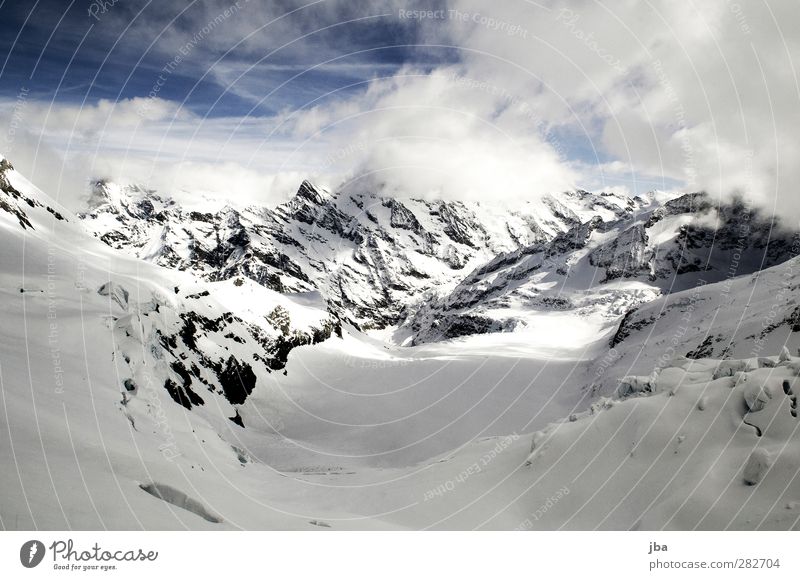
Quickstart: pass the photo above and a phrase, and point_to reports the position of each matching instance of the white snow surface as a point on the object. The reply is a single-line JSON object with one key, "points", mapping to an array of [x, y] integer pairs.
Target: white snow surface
{"points": [[514, 430]]}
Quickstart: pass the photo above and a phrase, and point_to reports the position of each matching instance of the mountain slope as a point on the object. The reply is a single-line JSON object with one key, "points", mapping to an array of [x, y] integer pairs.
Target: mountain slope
{"points": [[138, 396], [120, 378], [701, 450], [605, 269], [368, 256]]}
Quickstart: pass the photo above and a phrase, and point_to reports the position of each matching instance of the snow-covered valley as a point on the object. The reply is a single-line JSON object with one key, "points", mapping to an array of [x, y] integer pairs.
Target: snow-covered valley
{"points": [[346, 363]]}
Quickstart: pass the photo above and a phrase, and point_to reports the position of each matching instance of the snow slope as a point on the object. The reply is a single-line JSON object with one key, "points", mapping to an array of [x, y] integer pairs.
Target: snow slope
{"points": [[113, 419], [139, 396], [605, 268], [743, 317], [368, 256]]}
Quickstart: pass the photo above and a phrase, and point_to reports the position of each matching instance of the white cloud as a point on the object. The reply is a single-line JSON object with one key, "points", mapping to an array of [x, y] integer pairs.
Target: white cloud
{"points": [[546, 96], [153, 142], [705, 94], [439, 135]]}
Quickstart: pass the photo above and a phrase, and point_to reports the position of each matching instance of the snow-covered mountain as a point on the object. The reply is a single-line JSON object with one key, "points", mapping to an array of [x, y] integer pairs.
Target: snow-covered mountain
{"points": [[369, 256], [202, 370], [440, 270], [602, 268]]}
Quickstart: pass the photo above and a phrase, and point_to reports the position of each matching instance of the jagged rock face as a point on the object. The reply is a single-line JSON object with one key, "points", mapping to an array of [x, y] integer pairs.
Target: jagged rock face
{"points": [[14, 202], [369, 256], [696, 202], [202, 353], [690, 234], [627, 255], [531, 278], [606, 268], [741, 230], [198, 351], [401, 217], [444, 269], [192, 369]]}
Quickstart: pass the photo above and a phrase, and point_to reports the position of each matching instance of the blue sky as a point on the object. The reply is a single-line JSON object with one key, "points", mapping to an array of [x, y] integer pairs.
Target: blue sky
{"points": [[60, 51], [467, 99]]}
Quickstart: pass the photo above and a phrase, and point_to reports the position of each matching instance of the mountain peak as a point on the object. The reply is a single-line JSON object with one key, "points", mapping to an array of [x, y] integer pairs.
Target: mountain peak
{"points": [[132, 198], [309, 191]]}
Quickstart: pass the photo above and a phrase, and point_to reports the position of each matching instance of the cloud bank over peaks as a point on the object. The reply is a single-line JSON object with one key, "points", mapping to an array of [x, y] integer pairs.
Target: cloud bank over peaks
{"points": [[701, 96], [466, 99], [440, 134]]}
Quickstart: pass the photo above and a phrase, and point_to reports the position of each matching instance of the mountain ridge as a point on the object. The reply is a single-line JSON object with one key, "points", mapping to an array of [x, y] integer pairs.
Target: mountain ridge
{"points": [[164, 400], [368, 255]]}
